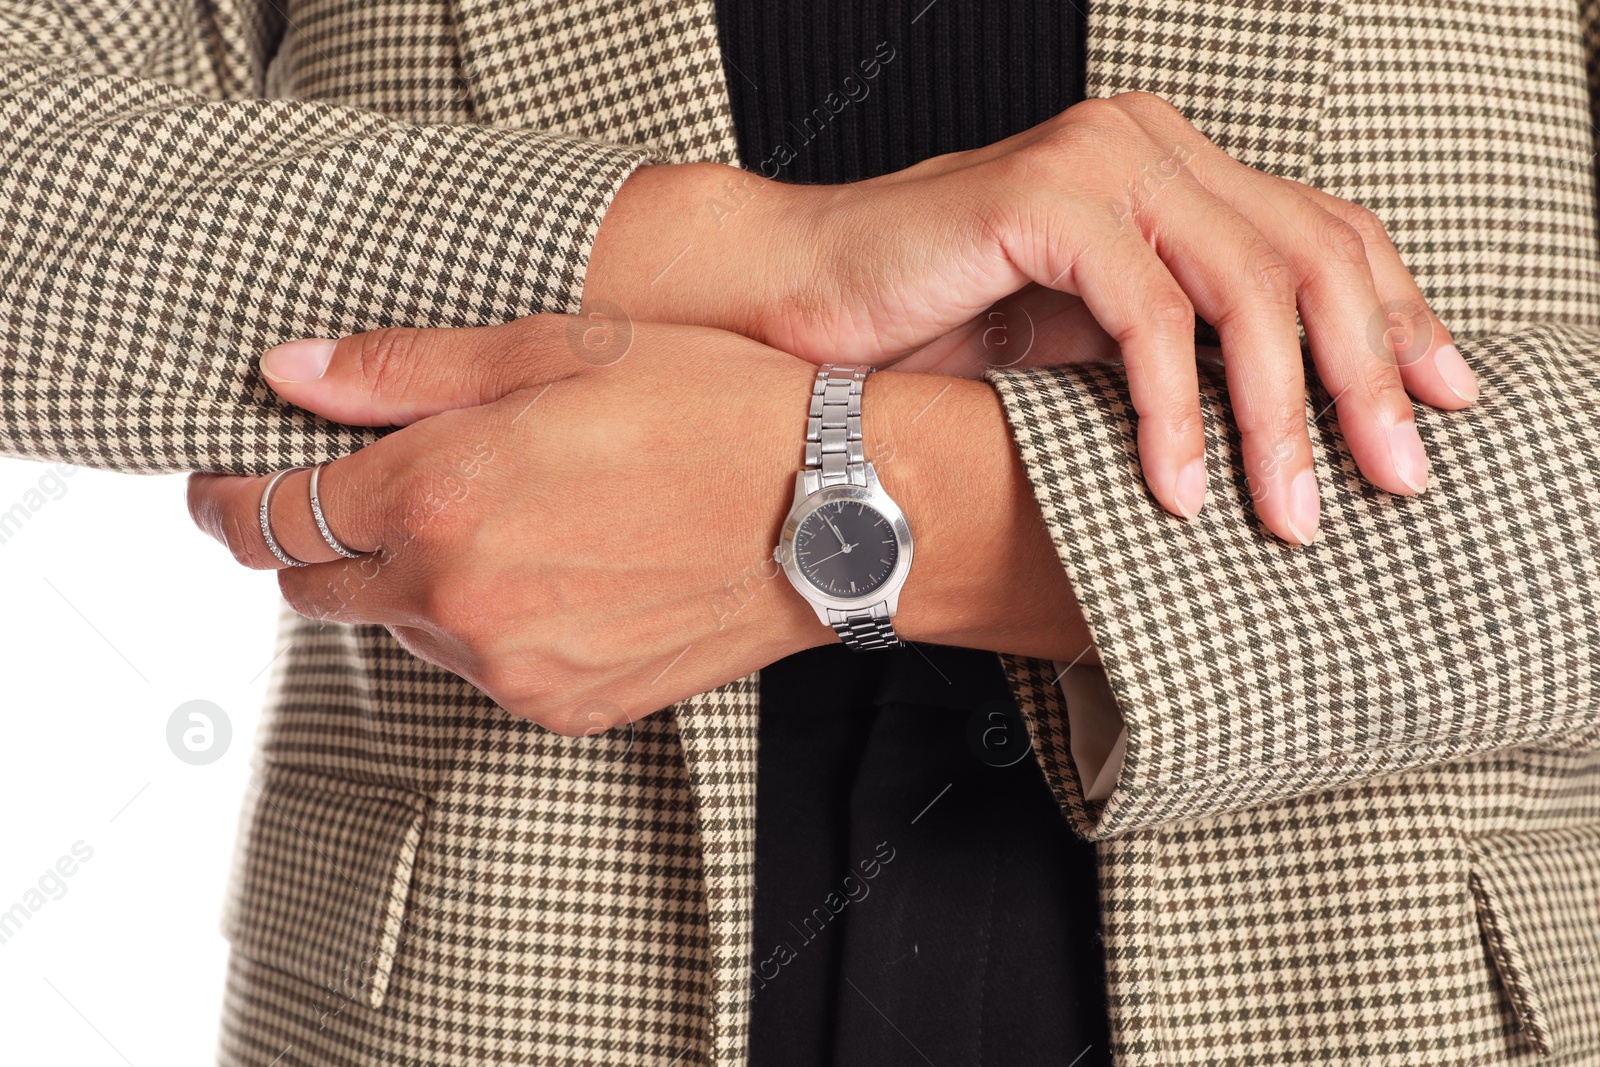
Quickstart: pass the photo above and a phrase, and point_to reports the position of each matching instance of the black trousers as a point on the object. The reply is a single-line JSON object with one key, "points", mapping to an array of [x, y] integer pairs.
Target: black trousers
{"points": [[920, 899]]}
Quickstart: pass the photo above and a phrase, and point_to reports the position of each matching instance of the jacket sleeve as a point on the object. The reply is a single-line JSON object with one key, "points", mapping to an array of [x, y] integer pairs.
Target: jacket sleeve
{"points": [[161, 225], [1412, 632]]}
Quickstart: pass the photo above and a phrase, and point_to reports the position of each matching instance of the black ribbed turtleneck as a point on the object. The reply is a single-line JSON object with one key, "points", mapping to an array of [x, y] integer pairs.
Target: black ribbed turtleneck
{"points": [[978, 941], [839, 90]]}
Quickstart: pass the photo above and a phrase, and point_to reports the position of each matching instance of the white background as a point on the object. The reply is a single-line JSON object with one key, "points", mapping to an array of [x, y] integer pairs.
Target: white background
{"points": [[116, 612]]}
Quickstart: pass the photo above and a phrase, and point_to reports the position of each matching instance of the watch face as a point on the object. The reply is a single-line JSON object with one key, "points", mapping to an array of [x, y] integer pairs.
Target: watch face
{"points": [[846, 549]]}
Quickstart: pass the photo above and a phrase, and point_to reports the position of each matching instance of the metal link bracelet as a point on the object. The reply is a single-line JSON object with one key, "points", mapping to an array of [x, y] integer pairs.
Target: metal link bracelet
{"points": [[836, 455]]}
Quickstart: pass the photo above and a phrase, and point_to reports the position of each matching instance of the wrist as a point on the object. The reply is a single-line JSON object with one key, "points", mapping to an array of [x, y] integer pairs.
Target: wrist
{"points": [[986, 573], [704, 244]]}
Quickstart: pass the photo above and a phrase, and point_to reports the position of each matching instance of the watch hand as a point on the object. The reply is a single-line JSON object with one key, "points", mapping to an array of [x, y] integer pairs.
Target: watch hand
{"points": [[835, 530], [825, 559]]}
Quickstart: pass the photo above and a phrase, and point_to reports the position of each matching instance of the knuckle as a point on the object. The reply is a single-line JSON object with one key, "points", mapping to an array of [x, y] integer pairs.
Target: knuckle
{"points": [[1363, 220], [517, 685], [1379, 386], [532, 710], [449, 606], [386, 358], [202, 507], [568, 722], [1184, 419], [1270, 416], [494, 678], [520, 351], [1341, 242], [1170, 310], [424, 517], [423, 644], [1269, 274], [538, 335], [1284, 420], [342, 594], [1138, 102], [1094, 121], [1092, 109]]}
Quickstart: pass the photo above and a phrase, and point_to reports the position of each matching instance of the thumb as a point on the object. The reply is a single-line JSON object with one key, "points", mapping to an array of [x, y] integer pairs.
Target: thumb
{"points": [[398, 375]]}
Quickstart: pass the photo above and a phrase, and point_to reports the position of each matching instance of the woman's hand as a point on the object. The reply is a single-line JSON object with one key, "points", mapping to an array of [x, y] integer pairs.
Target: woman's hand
{"points": [[1129, 221], [590, 543]]}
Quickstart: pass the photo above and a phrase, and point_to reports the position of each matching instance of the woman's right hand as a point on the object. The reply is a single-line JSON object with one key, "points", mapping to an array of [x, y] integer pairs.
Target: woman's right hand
{"points": [[1117, 221]]}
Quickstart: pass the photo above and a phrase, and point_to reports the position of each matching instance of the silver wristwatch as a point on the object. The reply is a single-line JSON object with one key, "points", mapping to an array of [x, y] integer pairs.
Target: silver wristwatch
{"points": [[845, 546]]}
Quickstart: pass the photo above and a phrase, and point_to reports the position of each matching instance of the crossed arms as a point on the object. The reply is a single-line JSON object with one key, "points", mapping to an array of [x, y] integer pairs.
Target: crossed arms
{"points": [[153, 378]]}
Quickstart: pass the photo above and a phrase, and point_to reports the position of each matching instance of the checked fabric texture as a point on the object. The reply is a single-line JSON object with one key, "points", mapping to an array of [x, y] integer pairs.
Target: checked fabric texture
{"points": [[1359, 817]]}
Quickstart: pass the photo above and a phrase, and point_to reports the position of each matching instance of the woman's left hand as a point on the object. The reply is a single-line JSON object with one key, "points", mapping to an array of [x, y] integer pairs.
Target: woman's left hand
{"points": [[588, 544]]}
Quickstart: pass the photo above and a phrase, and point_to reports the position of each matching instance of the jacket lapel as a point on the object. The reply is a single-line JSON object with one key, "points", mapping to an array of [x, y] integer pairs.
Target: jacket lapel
{"points": [[626, 71], [718, 732], [1248, 73]]}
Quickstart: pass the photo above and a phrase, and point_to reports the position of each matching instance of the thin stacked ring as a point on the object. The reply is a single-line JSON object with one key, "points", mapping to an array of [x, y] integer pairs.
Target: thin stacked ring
{"points": [[322, 520], [266, 522]]}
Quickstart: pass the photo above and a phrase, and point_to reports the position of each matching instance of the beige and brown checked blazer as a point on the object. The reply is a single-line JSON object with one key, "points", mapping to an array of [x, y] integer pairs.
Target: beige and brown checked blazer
{"points": [[1359, 818]]}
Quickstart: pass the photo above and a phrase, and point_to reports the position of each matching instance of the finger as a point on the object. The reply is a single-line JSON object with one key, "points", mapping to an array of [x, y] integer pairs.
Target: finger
{"points": [[1373, 349], [400, 515], [1339, 303], [396, 376], [229, 509], [1034, 327], [1430, 363], [1336, 294], [374, 589], [1140, 305], [1245, 288]]}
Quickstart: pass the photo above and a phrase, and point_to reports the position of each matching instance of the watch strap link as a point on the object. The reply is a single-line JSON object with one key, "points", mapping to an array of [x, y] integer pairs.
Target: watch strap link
{"points": [[836, 455], [866, 629]]}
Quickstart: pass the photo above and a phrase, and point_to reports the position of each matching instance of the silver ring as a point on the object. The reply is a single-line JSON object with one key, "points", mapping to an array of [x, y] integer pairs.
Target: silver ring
{"points": [[322, 520], [266, 521]]}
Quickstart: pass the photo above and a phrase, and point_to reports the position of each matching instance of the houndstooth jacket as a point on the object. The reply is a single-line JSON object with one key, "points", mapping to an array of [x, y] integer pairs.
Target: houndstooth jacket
{"points": [[1359, 815]]}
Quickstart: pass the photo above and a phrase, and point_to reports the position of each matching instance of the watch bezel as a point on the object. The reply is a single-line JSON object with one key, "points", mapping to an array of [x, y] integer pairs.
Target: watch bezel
{"points": [[873, 496]]}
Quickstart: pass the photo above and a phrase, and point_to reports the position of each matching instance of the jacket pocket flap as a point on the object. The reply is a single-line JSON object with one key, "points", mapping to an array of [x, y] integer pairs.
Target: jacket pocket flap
{"points": [[321, 878], [1538, 897]]}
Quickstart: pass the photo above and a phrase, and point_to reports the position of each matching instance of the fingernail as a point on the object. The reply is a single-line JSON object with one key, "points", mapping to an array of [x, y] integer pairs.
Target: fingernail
{"points": [[1410, 461], [1458, 377], [1305, 511], [298, 361], [1190, 489]]}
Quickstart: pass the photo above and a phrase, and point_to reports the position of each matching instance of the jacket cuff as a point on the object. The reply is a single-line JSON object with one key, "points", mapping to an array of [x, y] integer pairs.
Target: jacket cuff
{"points": [[1249, 670]]}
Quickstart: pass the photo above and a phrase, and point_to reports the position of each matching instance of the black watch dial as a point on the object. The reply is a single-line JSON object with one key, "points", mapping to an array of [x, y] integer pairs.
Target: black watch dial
{"points": [[846, 549]]}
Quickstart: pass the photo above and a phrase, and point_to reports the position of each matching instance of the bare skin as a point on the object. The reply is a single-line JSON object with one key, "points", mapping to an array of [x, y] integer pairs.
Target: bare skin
{"points": [[569, 536], [606, 525], [1118, 216]]}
